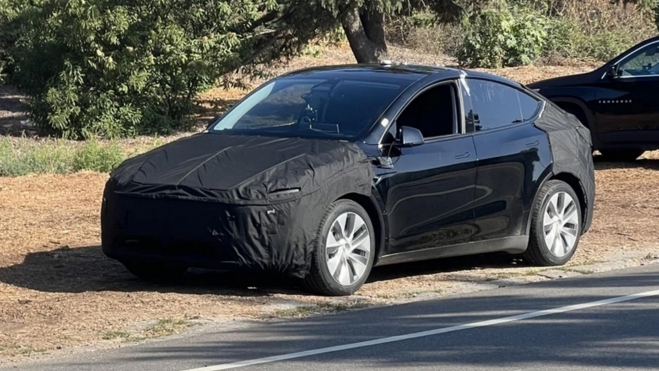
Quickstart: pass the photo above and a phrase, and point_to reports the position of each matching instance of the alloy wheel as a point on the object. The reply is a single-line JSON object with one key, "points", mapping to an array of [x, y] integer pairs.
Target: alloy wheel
{"points": [[348, 248], [561, 224]]}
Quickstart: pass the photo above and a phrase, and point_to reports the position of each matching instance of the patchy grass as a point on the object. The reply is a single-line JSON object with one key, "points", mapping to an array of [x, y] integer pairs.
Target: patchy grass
{"points": [[166, 327], [320, 308], [113, 335], [23, 156], [161, 328], [576, 269]]}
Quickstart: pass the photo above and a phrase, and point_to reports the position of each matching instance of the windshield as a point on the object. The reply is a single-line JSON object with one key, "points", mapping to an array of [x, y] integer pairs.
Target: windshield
{"points": [[327, 108]]}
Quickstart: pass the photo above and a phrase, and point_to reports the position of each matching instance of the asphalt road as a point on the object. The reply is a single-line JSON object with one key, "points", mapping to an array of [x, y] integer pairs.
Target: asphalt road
{"points": [[605, 321]]}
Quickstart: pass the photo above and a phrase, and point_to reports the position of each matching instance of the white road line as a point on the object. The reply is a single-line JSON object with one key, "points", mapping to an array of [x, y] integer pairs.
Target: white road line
{"points": [[362, 344]]}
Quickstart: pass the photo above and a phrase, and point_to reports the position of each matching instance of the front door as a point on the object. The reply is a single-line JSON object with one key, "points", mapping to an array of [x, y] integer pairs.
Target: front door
{"points": [[628, 105], [429, 191]]}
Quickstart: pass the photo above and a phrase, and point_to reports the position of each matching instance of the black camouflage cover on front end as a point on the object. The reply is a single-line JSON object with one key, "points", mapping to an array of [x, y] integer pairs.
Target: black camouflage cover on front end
{"points": [[254, 201], [572, 151]]}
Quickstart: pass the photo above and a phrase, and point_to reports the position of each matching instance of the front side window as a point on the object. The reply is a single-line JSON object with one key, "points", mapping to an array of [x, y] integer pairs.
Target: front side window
{"points": [[433, 112], [321, 108], [497, 105], [644, 62]]}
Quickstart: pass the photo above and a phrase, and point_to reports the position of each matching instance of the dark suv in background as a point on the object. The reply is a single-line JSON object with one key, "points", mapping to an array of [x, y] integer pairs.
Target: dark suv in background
{"points": [[618, 102]]}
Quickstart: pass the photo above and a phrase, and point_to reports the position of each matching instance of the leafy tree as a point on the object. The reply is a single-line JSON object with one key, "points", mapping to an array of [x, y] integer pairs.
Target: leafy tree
{"points": [[362, 21], [118, 67]]}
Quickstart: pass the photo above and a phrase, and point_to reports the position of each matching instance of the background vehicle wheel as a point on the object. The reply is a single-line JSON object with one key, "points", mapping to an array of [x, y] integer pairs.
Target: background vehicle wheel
{"points": [[154, 271], [556, 225], [621, 154], [344, 251]]}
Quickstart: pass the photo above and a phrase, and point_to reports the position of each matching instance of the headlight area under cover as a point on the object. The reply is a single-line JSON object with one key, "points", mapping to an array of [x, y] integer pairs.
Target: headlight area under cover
{"points": [[273, 237]]}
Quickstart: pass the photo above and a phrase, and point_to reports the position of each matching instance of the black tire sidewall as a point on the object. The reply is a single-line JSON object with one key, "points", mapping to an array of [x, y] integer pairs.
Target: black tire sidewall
{"points": [[335, 210], [554, 188]]}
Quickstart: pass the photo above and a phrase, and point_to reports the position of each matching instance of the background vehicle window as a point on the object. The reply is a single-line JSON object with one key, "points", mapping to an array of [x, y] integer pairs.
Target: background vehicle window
{"points": [[433, 112], [645, 62], [496, 105]]}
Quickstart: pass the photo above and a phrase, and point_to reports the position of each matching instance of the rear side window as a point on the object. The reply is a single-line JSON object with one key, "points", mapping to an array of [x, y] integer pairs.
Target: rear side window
{"points": [[496, 105]]}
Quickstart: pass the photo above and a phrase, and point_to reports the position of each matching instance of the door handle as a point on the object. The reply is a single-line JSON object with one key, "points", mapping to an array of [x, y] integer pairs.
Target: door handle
{"points": [[464, 155], [533, 144]]}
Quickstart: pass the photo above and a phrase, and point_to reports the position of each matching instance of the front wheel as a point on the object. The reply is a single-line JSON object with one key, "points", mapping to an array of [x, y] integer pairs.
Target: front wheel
{"points": [[626, 155], [556, 225], [344, 250]]}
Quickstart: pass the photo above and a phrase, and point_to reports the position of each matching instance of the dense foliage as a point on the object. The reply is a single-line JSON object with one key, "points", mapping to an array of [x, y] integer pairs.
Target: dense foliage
{"points": [[503, 35], [118, 67], [114, 68]]}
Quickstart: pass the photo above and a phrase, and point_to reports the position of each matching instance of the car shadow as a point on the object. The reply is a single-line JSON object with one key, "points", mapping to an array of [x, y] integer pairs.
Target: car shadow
{"points": [[87, 269], [644, 163]]}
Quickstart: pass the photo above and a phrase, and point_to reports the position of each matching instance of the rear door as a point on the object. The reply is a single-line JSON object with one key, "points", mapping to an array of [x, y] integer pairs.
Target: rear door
{"points": [[628, 104], [512, 156]]}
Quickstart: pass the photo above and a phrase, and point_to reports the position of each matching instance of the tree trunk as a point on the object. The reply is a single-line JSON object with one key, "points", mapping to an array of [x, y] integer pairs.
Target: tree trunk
{"points": [[363, 47], [374, 28]]}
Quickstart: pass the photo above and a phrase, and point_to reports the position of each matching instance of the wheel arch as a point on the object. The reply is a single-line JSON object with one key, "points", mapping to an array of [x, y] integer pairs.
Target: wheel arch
{"points": [[574, 183], [375, 214], [565, 102]]}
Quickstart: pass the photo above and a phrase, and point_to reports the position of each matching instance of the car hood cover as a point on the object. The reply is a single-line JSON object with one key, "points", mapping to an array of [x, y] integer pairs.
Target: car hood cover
{"points": [[240, 169]]}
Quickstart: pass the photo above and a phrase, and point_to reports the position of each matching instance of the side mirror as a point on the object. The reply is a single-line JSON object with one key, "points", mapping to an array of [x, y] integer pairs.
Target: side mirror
{"points": [[409, 137], [612, 73]]}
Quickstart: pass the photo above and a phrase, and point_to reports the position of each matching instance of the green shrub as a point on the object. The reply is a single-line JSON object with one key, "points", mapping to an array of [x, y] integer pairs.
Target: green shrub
{"points": [[115, 68], [519, 32], [94, 157], [500, 35]]}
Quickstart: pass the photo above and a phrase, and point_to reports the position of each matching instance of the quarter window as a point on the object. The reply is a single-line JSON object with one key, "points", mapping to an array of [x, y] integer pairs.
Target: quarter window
{"points": [[528, 104], [496, 105]]}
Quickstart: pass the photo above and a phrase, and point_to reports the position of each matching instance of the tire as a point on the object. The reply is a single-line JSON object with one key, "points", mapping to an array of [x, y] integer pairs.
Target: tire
{"points": [[566, 228], [155, 271], [616, 155], [332, 256]]}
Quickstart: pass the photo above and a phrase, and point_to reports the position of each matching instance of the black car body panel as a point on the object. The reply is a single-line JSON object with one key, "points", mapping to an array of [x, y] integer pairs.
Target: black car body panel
{"points": [[618, 104], [256, 201]]}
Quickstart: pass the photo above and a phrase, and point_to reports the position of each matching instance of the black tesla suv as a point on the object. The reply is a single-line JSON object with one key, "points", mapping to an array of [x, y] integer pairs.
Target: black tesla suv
{"points": [[618, 102], [323, 173]]}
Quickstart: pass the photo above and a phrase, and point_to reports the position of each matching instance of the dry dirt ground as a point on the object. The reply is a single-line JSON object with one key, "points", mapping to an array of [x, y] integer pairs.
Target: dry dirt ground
{"points": [[59, 293]]}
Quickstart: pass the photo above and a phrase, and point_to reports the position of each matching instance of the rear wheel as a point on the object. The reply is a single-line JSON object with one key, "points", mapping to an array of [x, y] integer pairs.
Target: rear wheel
{"points": [[155, 271], [344, 250], [615, 155], [556, 225]]}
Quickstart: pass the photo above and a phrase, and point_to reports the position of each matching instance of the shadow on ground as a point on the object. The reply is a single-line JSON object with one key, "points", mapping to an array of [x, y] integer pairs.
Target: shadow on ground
{"points": [[622, 335], [12, 114], [85, 269], [648, 164]]}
